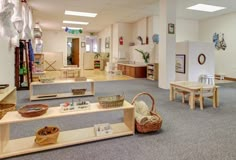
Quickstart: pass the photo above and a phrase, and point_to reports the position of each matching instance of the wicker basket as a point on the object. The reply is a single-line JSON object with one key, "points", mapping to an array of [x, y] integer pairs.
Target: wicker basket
{"points": [[33, 110], [111, 101], [78, 91], [47, 135], [6, 107], [151, 126]]}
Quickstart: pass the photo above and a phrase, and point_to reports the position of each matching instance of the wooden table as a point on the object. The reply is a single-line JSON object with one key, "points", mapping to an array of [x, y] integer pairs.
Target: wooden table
{"points": [[67, 70], [12, 147], [192, 88]]}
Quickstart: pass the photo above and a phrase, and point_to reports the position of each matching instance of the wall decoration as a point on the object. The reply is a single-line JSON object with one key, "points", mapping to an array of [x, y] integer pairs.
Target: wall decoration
{"points": [[201, 59], [73, 31], [82, 44], [171, 28], [218, 39], [180, 63], [107, 42], [155, 38]]}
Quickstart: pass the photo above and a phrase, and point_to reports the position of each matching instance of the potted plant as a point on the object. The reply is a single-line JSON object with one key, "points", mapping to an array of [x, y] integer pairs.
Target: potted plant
{"points": [[145, 55]]}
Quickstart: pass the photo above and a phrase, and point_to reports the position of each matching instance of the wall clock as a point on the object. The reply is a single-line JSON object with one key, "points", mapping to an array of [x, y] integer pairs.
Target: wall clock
{"points": [[201, 59]]}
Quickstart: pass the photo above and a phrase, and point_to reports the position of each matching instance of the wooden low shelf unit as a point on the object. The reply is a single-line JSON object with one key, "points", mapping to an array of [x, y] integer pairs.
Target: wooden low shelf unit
{"points": [[33, 97], [9, 148]]}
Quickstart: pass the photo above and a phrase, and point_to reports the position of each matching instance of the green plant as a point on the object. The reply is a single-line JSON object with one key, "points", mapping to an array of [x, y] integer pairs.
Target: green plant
{"points": [[145, 55], [97, 55]]}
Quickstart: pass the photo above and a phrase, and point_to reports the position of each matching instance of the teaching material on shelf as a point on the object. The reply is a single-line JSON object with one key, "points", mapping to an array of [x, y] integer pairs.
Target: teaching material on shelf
{"points": [[102, 129], [47, 135], [96, 64], [46, 79], [3, 88], [79, 91], [13, 147], [89, 91], [152, 71], [75, 106], [47, 96], [111, 101], [33, 110], [80, 78]]}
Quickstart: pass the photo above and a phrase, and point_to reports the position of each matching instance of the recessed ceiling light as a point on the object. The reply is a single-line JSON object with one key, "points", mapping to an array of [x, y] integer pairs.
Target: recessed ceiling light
{"points": [[75, 22], [73, 28], [83, 14], [206, 8]]}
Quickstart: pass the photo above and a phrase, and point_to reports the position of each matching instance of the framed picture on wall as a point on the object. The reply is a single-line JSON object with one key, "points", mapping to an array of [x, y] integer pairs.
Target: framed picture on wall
{"points": [[171, 28], [82, 44], [180, 63]]}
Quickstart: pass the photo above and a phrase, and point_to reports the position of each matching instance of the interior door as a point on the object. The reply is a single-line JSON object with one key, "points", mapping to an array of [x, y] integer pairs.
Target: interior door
{"points": [[75, 51]]}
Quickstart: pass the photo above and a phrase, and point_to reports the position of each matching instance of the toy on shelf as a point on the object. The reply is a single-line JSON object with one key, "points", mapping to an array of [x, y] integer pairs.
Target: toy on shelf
{"points": [[75, 106], [102, 129]]}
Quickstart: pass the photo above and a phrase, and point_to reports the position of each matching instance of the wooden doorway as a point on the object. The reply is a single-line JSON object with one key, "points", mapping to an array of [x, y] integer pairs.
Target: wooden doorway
{"points": [[75, 51]]}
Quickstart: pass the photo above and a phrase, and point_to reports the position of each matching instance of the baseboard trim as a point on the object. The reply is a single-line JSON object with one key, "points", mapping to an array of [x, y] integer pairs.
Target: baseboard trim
{"points": [[226, 78]]}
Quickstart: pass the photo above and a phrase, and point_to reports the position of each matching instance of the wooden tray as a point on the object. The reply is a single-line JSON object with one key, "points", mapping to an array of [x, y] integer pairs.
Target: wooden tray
{"points": [[33, 110]]}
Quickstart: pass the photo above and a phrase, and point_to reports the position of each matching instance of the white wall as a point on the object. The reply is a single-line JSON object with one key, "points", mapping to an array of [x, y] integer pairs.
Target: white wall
{"points": [[125, 31], [105, 33], [56, 41], [193, 69], [7, 63], [139, 28], [225, 60]]}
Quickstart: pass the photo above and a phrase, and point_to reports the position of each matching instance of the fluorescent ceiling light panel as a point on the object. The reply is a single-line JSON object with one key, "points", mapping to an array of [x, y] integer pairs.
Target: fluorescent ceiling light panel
{"points": [[75, 22], [73, 28], [206, 8], [83, 14]]}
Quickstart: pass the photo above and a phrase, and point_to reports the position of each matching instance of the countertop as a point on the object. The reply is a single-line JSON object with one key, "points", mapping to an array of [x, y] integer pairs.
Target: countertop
{"points": [[133, 64]]}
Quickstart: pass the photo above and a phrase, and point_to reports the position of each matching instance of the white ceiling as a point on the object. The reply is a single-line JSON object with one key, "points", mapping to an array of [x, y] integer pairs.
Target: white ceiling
{"points": [[50, 13]]}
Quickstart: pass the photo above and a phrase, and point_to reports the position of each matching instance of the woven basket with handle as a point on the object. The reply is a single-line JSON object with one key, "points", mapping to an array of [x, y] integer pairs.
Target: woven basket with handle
{"points": [[150, 126]]}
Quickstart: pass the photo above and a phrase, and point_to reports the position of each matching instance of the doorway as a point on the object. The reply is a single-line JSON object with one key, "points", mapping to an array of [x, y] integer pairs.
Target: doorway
{"points": [[73, 56]]}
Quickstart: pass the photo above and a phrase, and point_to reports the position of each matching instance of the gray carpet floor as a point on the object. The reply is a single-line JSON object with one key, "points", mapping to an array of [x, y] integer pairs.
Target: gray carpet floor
{"points": [[185, 135]]}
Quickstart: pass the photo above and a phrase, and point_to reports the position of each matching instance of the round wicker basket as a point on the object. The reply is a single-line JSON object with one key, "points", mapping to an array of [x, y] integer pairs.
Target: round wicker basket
{"points": [[33, 110], [151, 126], [47, 135], [6, 107]]}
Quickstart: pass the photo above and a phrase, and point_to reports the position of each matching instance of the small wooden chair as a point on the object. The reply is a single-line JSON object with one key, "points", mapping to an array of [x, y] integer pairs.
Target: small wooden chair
{"points": [[206, 93], [182, 93]]}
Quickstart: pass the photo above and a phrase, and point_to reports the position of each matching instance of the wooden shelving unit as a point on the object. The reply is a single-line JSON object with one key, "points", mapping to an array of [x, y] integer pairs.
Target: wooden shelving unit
{"points": [[152, 71], [12, 147], [89, 92], [9, 96], [22, 80], [97, 64]]}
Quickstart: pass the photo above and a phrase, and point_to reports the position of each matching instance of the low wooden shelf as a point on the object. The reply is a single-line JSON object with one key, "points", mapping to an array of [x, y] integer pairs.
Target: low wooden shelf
{"points": [[9, 148], [152, 71], [9, 96], [33, 97]]}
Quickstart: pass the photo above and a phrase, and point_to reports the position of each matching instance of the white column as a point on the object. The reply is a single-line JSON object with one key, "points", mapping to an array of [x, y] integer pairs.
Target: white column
{"points": [[167, 46]]}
